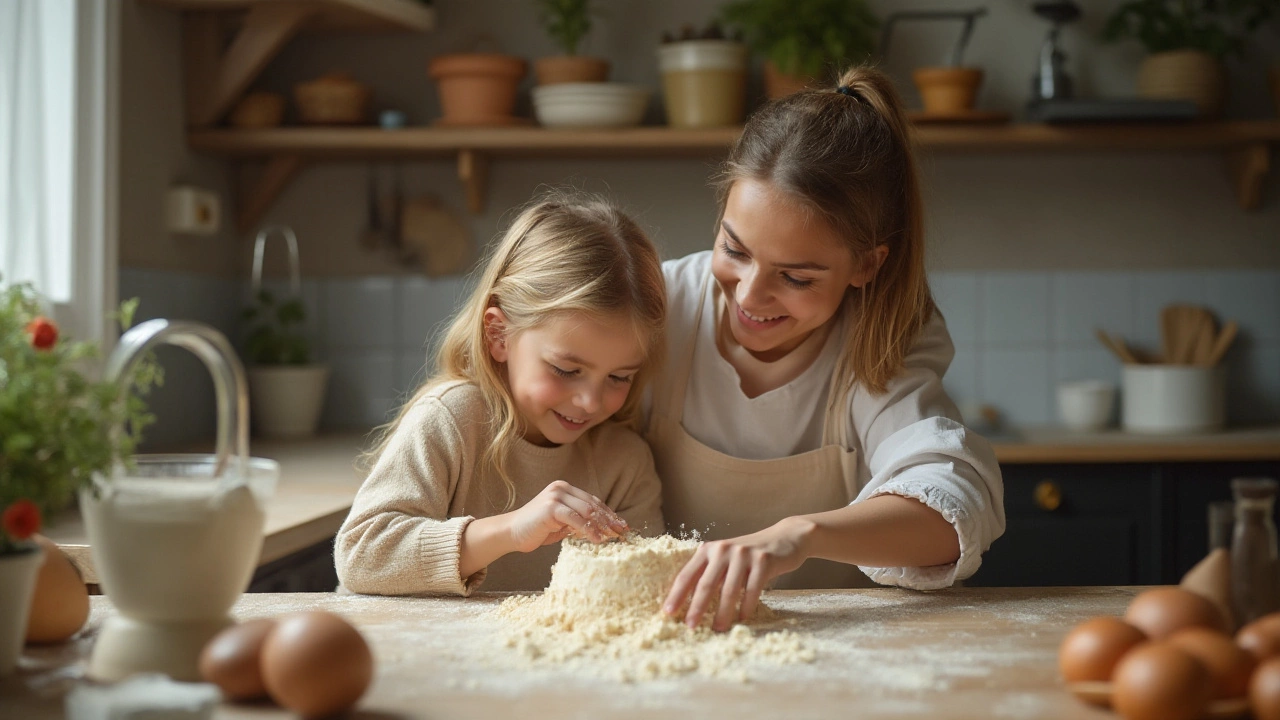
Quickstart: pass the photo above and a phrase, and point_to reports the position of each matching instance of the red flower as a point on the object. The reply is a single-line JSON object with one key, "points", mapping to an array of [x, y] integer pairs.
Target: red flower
{"points": [[21, 520], [43, 333]]}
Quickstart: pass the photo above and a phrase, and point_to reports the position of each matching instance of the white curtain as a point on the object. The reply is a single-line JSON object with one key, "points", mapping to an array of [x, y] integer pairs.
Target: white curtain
{"points": [[38, 143]]}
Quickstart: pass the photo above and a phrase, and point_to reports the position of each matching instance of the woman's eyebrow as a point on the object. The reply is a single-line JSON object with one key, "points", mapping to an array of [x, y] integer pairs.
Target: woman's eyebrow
{"points": [[785, 266]]}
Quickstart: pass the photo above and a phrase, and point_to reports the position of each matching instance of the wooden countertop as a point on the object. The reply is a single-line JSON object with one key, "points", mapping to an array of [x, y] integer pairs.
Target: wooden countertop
{"points": [[960, 653], [318, 481], [1057, 445]]}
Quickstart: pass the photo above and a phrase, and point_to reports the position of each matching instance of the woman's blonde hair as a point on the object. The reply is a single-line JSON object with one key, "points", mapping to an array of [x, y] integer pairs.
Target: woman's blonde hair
{"points": [[565, 253], [846, 154]]}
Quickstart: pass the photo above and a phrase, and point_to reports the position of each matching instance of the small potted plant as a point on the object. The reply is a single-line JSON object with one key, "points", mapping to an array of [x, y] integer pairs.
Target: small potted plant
{"points": [[56, 433], [286, 389], [803, 43], [477, 89], [1187, 42], [568, 22]]}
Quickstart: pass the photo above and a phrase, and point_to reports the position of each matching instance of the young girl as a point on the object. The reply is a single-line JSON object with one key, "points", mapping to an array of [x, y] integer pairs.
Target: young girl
{"points": [[801, 415], [538, 384]]}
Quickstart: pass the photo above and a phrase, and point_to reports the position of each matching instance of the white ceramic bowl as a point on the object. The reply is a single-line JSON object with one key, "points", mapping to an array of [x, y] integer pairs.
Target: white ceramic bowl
{"points": [[1173, 398], [1086, 405], [590, 104]]}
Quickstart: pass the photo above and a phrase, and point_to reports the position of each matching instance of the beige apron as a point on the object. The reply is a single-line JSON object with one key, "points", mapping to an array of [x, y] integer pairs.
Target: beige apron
{"points": [[722, 496]]}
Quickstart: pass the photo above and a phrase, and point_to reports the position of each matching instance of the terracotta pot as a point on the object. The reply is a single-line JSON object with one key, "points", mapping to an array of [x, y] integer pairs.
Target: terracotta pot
{"points": [[946, 90], [18, 572], [570, 69], [1185, 75], [779, 84], [477, 88]]}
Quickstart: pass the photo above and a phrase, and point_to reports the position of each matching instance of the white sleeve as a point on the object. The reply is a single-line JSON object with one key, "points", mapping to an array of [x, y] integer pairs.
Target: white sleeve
{"points": [[917, 447]]}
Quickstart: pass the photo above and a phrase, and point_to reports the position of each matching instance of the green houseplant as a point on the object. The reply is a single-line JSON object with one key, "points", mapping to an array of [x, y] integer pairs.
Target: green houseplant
{"points": [[803, 41], [1187, 42], [58, 428], [567, 22]]}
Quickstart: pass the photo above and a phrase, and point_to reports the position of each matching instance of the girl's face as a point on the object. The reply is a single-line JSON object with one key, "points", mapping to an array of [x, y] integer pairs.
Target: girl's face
{"points": [[783, 271], [568, 374]]}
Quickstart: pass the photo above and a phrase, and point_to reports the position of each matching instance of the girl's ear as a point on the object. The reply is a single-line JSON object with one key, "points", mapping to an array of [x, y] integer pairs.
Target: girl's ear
{"points": [[870, 266], [495, 333]]}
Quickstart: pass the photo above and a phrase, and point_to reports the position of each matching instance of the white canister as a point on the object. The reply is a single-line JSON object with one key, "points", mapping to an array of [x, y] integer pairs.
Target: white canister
{"points": [[704, 82], [1173, 398]]}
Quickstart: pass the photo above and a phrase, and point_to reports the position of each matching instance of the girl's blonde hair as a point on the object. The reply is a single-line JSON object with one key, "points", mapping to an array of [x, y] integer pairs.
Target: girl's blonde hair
{"points": [[565, 253], [846, 154]]}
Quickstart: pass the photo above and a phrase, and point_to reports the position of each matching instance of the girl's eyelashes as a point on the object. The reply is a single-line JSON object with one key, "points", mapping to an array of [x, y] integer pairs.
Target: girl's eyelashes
{"points": [[562, 372], [621, 380]]}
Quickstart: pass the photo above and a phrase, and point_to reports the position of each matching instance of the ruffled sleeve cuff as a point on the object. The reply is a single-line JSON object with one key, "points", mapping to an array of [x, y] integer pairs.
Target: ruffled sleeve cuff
{"points": [[933, 577], [440, 558]]}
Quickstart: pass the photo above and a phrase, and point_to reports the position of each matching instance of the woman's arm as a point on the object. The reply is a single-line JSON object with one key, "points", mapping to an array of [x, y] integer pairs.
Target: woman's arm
{"points": [[884, 531]]}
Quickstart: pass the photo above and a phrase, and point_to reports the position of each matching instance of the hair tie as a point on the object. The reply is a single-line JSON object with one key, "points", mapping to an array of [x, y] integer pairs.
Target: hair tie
{"points": [[846, 90]]}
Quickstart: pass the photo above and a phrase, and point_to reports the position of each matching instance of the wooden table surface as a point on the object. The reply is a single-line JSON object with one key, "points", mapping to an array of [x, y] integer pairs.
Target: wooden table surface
{"points": [[959, 653], [318, 481]]}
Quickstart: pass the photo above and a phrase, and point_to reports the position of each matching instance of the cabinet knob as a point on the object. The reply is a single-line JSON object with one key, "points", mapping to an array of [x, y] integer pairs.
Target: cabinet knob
{"points": [[1048, 495]]}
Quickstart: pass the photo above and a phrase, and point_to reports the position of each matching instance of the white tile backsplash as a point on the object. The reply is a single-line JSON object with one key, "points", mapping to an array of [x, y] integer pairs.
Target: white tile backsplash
{"points": [[1017, 334], [1014, 310]]}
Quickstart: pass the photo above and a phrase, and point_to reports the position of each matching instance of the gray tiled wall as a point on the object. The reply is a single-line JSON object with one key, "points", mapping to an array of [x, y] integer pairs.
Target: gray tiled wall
{"points": [[1017, 334]]}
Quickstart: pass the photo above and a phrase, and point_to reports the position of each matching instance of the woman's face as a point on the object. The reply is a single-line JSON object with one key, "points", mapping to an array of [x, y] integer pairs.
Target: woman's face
{"points": [[783, 271]]}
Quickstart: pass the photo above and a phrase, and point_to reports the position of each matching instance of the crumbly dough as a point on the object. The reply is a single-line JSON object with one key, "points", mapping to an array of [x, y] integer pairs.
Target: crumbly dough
{"points": [[602, 614]]}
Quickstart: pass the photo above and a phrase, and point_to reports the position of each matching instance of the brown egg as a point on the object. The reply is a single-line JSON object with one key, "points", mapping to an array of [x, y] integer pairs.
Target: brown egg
{"points": [[1227, 663], [1264, 691], [60, 604], [1261, 637], [1092, 649], [232, 659], [316, 664], [1158, 681], [1163, 611]]}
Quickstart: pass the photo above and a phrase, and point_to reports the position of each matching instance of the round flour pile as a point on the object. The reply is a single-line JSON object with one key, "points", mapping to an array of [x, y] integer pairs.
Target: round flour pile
{"points": [[601, 614]]}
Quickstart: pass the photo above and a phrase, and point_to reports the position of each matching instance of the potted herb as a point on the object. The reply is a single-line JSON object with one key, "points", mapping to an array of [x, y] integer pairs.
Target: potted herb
{"points": [[704, 78], [568, 22], [286, 389], [803, 42], [56, 433], [1187, 42]]}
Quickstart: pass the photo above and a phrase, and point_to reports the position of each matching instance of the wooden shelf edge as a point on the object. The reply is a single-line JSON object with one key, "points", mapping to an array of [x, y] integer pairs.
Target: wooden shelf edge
{"points": [[397, 15]]}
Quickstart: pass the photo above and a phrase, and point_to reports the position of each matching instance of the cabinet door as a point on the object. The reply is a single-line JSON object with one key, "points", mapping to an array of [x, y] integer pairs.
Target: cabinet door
{"points": [[1196, 485], [1077, 525]]}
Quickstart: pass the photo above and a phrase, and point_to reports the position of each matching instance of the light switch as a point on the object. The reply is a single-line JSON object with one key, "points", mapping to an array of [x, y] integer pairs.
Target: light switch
{"points": [[192, 210]]}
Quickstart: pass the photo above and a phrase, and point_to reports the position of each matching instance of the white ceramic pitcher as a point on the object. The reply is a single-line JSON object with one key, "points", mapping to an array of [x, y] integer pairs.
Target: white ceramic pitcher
{"points": [[176, 538]]}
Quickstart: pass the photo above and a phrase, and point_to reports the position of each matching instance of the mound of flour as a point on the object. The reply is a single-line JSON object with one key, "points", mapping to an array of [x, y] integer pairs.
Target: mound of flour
{"points": [[601, 614]]}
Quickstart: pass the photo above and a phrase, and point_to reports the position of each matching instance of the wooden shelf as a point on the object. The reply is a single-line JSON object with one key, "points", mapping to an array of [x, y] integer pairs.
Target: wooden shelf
{"points": [[1246, 145], [401, 15]]}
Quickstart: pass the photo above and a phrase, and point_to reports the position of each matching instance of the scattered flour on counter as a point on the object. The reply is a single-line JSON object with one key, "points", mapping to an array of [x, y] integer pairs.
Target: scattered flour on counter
{"points": [[601, 615]]}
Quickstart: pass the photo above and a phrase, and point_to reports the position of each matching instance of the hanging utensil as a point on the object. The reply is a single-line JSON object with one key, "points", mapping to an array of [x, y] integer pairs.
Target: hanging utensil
{"points": [[371, 238], [1222, 343], [395, 221]]}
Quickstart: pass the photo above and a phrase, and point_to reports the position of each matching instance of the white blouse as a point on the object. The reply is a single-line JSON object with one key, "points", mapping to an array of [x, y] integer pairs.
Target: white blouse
{"points": [[910, 440]]}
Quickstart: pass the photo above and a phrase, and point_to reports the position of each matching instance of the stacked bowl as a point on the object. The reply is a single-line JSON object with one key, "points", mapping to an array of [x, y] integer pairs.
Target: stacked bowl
{"points": [[590, 104]]}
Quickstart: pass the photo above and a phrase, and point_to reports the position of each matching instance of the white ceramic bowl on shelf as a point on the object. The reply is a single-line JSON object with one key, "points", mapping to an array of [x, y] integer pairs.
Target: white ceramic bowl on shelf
{"points": [[584, 105]]}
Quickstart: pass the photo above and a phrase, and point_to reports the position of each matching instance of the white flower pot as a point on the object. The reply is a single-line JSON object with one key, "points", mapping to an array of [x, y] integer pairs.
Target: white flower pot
{"points": [[285, 400], [18, 572]]}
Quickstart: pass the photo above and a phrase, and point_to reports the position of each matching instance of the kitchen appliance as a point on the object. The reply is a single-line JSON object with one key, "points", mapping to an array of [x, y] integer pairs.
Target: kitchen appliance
{"points": [[176, 538]]}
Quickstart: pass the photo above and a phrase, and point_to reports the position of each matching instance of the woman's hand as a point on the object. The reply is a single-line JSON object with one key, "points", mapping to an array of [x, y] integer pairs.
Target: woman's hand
{"points": [[736, 571], [559, 511]]}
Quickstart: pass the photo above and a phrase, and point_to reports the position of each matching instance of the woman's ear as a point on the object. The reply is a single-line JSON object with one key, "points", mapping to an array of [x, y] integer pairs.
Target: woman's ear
{"points": [[870, 265], [495, 333]]}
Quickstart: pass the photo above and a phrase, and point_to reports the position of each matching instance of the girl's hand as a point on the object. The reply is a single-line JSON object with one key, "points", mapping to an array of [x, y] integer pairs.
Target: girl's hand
{"points": [[559, 511], [736, 569]]}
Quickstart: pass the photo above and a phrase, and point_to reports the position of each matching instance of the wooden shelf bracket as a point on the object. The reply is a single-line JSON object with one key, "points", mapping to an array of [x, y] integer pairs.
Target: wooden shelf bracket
{"points": [[473, 171], [216, 79], [258, 196], [1248, 167]]}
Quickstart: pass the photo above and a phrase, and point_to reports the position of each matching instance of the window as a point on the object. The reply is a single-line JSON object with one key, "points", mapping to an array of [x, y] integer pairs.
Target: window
{"points": [[57, 155]]}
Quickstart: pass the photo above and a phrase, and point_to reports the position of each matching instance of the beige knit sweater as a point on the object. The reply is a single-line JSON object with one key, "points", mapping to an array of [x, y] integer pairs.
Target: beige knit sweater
{"points": [[404, 533]]}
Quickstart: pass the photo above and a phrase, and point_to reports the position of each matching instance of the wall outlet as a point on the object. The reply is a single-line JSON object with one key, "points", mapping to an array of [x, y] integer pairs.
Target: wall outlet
{"points": [[192, 210]]}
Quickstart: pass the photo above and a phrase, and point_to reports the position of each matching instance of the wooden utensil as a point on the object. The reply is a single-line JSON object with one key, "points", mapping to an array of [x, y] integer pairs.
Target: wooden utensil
{"points": [[1117, 346], [1222, 343]]}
